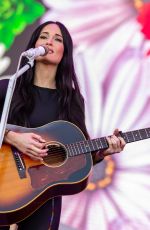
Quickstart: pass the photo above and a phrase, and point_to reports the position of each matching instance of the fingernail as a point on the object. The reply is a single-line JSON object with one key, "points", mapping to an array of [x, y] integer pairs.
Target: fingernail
{"points": [[43, 154]]}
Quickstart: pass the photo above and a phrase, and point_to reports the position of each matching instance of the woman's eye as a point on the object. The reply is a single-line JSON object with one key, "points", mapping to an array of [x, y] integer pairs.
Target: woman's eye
{"points": [[43, 37], [58, 39]]}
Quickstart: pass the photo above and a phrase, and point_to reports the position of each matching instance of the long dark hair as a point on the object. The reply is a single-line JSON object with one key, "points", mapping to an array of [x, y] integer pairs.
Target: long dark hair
{"points": [[70, 98]]}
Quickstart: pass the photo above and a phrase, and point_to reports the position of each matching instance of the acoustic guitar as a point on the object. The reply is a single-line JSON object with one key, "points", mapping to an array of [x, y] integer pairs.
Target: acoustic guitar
{"points": [[25, 185]]}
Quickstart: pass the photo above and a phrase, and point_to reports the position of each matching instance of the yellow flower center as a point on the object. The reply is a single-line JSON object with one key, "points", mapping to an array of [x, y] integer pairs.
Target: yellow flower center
{"points": [[102, 174]]}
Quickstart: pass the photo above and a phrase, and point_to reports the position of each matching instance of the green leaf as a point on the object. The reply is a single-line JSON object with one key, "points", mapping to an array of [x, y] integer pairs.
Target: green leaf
{"points": [[15, 15]]}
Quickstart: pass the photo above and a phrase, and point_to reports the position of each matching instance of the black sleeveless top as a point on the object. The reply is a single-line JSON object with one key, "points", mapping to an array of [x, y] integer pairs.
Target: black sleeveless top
{"points": [[46, 106]]}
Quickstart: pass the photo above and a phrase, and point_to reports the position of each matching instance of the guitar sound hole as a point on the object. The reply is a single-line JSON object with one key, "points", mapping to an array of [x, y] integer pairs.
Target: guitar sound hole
{"points": [[57, 154]]}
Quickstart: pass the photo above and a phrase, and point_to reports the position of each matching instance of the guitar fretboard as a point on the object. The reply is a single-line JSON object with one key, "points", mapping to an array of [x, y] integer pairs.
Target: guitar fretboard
{"points": [[87, 146], [136, 135]]}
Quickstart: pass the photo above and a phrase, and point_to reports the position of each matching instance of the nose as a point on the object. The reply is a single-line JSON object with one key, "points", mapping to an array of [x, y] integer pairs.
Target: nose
{"points": [[49, 41]]}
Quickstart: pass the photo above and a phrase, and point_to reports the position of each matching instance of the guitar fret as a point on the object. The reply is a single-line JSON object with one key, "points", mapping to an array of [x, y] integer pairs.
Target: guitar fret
{"points": [[96, 142], [140, 134], [104, 143], [130, 137], [77, 148], [74, 152], [101, 143], [144, 133], [90, 145], [87, 146], [125, 137], [94, 145], [70, 150], [84, 147], [101, 146], [82, 150], [136, 135], [148, 132], [92, 148]]}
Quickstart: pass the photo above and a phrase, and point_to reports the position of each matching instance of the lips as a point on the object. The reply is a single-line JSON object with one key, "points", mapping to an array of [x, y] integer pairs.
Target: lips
{"points": [[50, 51]]}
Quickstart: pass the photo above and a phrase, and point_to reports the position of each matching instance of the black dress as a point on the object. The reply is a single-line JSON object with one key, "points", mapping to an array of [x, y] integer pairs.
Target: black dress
{"points": [[45, 110]]}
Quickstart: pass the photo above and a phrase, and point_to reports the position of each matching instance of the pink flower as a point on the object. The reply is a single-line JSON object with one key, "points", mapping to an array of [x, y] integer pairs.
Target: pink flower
{"points": [[113, 73]]}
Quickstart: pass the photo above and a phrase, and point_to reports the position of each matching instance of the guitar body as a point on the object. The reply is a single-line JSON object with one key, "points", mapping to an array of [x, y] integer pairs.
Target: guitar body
{"points": [[22, 193]]}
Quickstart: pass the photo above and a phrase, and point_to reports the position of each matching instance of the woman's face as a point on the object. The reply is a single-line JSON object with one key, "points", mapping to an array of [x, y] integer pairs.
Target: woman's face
{"points": [[51, 36]]}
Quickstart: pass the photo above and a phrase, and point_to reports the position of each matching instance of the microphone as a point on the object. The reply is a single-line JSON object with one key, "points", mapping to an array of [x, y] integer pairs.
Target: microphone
{"points": [[35, 52]]}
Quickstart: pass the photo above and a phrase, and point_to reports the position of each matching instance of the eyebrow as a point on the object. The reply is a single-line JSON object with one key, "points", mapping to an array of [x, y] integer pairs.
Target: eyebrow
{"points": [[48, 34]]}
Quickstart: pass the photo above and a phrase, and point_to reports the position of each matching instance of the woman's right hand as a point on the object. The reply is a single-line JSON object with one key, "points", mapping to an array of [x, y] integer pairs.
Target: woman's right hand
{"points": [[30, 144]]}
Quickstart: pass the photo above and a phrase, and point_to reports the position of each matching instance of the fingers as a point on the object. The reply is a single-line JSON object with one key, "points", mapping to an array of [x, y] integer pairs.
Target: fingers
{"points": [[117, 134], [116, 144], [36, 148], [113, 141], [32, 156], [38, 144], [32, 145], [37, 151], [38, 138], [122, 142]]}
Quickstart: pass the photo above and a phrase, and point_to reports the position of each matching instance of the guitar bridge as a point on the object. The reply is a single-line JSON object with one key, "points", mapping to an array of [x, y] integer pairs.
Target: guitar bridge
{"points": [[19, 163]]}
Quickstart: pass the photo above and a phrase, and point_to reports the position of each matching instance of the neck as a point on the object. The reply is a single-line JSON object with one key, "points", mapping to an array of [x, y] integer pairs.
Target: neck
{"points": [[45, 75]]}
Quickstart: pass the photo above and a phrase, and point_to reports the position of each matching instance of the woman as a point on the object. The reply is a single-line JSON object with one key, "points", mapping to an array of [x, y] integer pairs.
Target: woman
{"points": [[47, 92]]}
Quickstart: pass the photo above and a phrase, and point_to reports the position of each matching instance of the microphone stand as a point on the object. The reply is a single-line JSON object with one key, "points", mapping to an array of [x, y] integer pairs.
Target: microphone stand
{"points": [[9, 94]]}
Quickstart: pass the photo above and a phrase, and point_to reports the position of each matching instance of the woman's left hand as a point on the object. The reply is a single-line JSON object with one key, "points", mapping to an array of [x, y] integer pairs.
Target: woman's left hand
{"points": [[116, 145]]}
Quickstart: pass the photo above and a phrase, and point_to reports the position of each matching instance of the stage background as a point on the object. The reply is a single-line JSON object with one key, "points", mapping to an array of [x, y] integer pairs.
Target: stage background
{"points": [[111, 52]]}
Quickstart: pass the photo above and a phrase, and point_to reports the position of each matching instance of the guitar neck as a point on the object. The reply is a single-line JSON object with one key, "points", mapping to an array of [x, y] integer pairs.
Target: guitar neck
{"points": [[87, 146], [136, 135]]}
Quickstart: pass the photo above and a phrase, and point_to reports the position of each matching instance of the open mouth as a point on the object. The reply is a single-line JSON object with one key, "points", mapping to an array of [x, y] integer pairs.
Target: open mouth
{"points": [[50, 51]]}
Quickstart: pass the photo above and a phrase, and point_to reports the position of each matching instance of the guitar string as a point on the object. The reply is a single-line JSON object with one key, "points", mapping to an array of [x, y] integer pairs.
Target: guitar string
{"points": [[53, 157]]}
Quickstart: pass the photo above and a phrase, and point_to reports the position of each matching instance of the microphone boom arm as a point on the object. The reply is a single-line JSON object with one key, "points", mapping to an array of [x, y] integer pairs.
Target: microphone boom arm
{"points": [[8, 98]]}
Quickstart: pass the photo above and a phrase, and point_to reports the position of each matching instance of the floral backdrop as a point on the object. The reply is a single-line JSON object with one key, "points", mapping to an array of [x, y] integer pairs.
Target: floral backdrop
{"points": [[112, 58]]}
